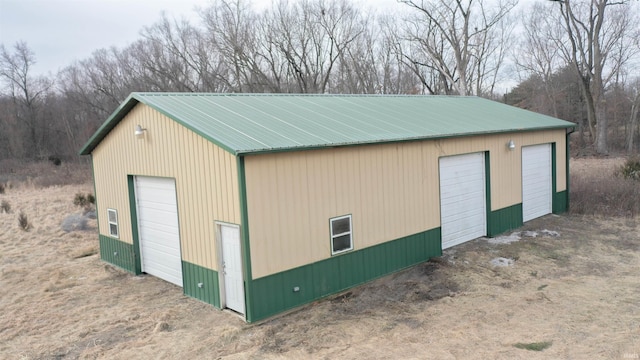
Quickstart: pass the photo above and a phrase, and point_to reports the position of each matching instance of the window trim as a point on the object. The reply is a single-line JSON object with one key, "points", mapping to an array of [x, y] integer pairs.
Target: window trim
{"points": [[115, 213], [334, 236]]}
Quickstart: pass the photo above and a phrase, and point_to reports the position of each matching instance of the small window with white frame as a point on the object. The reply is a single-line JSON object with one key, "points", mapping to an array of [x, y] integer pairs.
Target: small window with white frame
{"points": [[112, 216], [341, 234]]}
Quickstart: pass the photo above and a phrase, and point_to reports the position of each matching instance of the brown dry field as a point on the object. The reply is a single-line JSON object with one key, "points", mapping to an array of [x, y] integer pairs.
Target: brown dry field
{"points": [[580, 291]]}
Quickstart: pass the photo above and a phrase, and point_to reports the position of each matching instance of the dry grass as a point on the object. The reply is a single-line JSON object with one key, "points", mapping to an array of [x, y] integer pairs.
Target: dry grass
{"points": [[597, 189], [579, 290], [630, 169], [43, 174]]}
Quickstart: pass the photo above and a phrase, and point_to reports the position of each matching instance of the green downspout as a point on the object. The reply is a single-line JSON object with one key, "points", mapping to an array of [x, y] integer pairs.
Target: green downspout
{"points": [[568, 155], [554, 174], [244, 236]]}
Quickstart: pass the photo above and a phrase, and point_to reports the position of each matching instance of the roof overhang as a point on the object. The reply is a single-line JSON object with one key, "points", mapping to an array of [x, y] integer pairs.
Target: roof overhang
{"points": [[109, 124], [155, 101]]}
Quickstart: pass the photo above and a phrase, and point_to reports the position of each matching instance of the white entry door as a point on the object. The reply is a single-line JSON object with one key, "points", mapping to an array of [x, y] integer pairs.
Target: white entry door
{"points": [[232, 268], [462, 198], [536, 181], [158, 230]]}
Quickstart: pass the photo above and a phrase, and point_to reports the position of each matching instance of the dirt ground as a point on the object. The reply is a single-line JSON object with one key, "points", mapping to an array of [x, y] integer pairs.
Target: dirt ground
{"points": [[574, 288]]}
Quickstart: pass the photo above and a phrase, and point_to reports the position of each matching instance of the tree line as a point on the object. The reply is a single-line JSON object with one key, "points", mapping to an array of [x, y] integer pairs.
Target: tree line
{"points": [[574, 59]]}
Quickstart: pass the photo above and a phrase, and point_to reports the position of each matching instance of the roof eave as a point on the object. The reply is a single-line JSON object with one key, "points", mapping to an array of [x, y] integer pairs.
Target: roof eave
{"points": [[195, 129], [134, 98], [111, 122], [390, 141]]}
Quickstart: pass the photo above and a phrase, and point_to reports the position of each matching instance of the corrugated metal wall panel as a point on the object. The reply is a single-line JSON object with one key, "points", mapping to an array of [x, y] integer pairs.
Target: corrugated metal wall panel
{"points": [[206, 179], [201, 283], [118, 253], [391, 190], [326, 277]]}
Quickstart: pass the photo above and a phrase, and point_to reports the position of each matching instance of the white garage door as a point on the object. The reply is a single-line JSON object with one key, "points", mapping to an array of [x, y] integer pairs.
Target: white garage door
{"points": [[462, 198], [158, 229], [536, 181]]}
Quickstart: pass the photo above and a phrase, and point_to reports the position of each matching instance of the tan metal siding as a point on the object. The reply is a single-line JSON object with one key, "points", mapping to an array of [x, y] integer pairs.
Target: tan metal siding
{"points": [[391, 190], [290, 203], [206, 179]]}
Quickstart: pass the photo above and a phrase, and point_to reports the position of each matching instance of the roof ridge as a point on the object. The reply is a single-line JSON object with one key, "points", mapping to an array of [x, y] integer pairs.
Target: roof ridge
{"points": [[213, 94], [246, 123]]}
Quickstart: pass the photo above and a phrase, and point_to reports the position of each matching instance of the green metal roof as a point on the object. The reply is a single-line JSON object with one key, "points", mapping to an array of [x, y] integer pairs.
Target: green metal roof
{"points": [[254, 123]]}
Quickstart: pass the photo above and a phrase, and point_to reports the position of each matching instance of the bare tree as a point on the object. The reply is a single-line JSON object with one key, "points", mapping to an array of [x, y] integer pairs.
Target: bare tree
{"points": [[457, 42], [10, 141], [232, 30], [312, 37], [634, 117], [537, 52], [359, 66], [27, 92], [178, 57], [100, 82], [594, 31], [166, 56], [92, 88]]}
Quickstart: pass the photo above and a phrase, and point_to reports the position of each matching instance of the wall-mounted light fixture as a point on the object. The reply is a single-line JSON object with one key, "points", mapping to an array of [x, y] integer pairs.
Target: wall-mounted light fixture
{"points": [[511, 145], [139, 131]]}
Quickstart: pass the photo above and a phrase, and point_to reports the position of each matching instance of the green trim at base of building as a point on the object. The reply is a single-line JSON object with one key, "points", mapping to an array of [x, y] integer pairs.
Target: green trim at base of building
{"points": [[504, 219], [560, 202], [201, 283], [118, 253], [560, 199], [567, 144], [288, 289], [510, 217]]}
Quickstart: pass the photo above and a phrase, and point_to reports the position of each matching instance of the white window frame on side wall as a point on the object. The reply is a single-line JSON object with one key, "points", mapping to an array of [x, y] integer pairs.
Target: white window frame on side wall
{"points": [[113, 222], [341, 234]]}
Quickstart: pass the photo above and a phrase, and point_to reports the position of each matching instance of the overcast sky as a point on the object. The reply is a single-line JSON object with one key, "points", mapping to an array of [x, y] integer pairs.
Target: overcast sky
{"points": [[62, 31]]}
